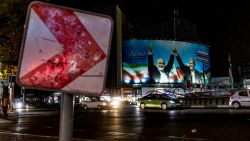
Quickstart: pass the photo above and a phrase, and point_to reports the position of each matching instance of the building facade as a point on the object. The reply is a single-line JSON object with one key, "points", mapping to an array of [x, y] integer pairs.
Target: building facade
{"points": [[244, 75], [175, 29]]}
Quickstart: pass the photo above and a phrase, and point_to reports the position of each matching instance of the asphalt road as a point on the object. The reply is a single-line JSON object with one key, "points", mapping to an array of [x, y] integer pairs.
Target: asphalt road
{"points": [[131, 123]]}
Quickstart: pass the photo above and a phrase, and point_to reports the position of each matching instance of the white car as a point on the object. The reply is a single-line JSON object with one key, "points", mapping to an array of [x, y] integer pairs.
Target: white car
{"points": [[95, 102], [240, 98]]}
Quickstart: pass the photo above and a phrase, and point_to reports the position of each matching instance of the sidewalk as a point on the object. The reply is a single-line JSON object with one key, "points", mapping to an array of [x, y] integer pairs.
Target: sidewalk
{"points": [[2, 120]]}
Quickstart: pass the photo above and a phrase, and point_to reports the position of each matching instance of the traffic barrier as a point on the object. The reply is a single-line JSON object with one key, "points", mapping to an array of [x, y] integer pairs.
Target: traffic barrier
{"points": [[205, 101]]}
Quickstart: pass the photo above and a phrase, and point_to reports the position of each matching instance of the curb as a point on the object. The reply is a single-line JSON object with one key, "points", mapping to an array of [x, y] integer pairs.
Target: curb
{"points": [[207, 106]]}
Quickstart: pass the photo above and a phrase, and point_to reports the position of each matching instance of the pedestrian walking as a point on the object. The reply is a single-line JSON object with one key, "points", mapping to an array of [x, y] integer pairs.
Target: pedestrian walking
{"points": [[1, 95], [5, 101]]}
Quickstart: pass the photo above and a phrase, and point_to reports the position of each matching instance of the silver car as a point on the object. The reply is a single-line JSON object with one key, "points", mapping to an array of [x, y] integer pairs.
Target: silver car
{"points": [[95, 102], [240, 98]]}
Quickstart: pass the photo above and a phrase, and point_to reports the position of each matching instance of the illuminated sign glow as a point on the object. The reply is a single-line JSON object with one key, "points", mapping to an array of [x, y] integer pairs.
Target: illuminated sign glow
{"points": [[164, 61]]}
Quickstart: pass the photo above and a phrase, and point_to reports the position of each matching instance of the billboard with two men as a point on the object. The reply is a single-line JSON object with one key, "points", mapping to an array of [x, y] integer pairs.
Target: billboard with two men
{"points": [[164, 61]]}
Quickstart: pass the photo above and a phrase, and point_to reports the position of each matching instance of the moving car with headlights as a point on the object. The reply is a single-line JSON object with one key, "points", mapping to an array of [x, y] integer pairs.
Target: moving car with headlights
{"points": [[240, 98], [95, 102], [19, 104], [158, 100]]}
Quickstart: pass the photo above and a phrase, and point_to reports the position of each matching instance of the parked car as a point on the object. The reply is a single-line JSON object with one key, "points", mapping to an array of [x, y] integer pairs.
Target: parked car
{"points": [[95, 102], [158, 100], [240, 98]]}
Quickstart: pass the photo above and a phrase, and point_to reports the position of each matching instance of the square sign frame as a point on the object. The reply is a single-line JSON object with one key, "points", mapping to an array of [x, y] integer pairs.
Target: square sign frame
{"points": [[64, 49]]}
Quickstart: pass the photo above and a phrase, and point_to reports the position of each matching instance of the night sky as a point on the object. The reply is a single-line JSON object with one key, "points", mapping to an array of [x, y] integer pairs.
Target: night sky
{"points": [[224, 26]]}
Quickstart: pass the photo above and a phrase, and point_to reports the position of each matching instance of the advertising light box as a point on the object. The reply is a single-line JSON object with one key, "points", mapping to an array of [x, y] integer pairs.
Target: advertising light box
{"points": [[164, 61]]}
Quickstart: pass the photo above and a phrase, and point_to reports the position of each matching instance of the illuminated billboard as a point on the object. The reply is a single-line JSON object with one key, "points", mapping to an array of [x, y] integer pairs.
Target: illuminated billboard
{"points": [[164, 61]]}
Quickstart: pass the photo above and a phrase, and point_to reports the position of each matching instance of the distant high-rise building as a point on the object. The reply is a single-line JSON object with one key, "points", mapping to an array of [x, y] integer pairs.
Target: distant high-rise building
{"points": [[181, 29], [173, 29], [113, 81], [244, 75], [244, 71]]}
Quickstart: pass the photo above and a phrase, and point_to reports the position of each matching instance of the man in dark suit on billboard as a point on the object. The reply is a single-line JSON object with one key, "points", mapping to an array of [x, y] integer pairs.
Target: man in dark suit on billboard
{"points": [[191, 75], [159, 73]]}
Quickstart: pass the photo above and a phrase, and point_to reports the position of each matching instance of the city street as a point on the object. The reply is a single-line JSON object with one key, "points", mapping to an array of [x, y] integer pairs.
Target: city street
{"points": [[131, 123], [104, 57]]}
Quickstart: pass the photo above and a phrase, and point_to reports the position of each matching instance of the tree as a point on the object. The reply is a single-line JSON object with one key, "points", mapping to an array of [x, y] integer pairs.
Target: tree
{"points": [[12, 20], [12, 17]]}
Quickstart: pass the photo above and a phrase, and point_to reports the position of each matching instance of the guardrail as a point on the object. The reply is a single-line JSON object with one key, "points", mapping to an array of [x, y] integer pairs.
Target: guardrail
{"points": [[205, 101]]}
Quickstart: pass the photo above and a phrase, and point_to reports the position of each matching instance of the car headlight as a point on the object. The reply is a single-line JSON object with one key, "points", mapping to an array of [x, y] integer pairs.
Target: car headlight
{"points": [[104, 103], [19, 105], [115, 103], [171, 101]]}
